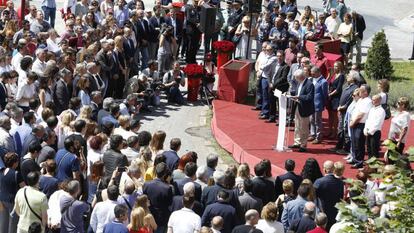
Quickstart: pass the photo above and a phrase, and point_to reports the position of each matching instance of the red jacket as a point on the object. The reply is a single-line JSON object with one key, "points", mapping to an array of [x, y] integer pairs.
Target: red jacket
{"points": [[318, 230]]}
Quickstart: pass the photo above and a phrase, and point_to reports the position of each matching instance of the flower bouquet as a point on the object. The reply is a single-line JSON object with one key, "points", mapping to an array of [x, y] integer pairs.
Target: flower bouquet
{"points": [[193, 70], [224, 50], [224, 46]]}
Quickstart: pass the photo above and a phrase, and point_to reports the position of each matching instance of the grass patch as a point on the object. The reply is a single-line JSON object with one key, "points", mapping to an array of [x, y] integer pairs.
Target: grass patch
{"points": [[401, 83], [223, 154]]}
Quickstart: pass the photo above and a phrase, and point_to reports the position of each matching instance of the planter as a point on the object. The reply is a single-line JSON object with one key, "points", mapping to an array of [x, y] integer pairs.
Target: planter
{"points": [[193, 86]]}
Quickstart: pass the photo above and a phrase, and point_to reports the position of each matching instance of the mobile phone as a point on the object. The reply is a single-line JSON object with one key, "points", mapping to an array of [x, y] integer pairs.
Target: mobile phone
{"points": [[121, 169]]}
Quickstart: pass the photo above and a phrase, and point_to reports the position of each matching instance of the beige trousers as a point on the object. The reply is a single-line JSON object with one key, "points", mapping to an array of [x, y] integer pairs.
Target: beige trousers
{"points": [[301, 129]]}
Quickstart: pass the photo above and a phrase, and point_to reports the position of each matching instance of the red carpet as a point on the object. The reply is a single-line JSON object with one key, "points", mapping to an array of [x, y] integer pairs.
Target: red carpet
{"points": [[239, 131]]}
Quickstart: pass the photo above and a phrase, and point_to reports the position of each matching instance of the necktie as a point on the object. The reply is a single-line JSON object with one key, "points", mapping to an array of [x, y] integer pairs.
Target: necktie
{"points": [[99, 80]]}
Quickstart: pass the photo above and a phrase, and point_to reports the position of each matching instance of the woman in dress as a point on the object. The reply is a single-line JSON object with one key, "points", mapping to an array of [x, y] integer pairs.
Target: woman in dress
{"points": [[242, 31], [400, 124], [311, 170], [335, 82], [345, 35], [45, 94], [64, 129], [83, 94]]}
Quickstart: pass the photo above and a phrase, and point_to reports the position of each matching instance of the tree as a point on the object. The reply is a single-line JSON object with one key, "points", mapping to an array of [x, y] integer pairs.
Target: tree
{"points": [[361, 217], [378, 64]]}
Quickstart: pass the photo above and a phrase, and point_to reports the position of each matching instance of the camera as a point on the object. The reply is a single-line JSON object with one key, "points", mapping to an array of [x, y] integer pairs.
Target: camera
{"points": [[166, 29]]}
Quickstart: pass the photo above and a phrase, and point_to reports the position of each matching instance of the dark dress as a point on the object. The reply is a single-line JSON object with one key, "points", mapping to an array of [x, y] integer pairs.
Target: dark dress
{"points": [[335, 84]]}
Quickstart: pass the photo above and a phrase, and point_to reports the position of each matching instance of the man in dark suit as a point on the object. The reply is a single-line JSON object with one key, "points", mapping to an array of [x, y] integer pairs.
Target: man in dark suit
{"points": [[155, 23], [358, 27], [261, 184], [234, 18], [221, 208], [290, 174], [142, 36], [320, 101], [248, 200], [330, 190], [160, 195], [62, 91], [96, 83], [192, 32], [190, 170], [3, 90], [129, 48], [279, 81], [178, 25], [305, 99], [106, 62], [171, 156], [96, 101], [177, 202]]}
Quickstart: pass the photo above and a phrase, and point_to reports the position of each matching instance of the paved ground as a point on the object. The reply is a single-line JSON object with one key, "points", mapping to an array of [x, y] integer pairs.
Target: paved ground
{"points": [[190, 122]]}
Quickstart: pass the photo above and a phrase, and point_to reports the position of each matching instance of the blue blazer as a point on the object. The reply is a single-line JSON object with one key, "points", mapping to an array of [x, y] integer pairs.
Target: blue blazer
{"points": [[321, 94], [306, 98], [323, 187]]}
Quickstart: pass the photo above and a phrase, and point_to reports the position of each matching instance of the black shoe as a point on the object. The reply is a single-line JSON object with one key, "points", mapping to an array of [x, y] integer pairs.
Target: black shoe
{"points": [[294, 146], [351, 162], [357, 166], [263, 117], [342, 152], [302, 149], [256, 109], [271, 120], [333, 149]]}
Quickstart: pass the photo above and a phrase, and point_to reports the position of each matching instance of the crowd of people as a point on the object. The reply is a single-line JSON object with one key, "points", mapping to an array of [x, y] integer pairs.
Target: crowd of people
{"points": [[73, 157]]}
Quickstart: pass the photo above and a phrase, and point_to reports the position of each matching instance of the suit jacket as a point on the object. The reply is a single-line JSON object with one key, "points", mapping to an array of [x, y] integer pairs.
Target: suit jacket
{"points": [[306, 98], [248, 201], [293, 210], [179, 26], [358, 25], [171, 159], [95, 109], [177, 204], [179, 185], [223, 209], [346, 96], [321, 94], [155, 26], [119, 60], [303, 225], [143, 31], [106, 64], [93, 85], [3, 95], [192, 18], [297, 180], [324, 188], [280, 80], [261, 189], [129, 48], [209, 195], [160, 195], [61, 96]]}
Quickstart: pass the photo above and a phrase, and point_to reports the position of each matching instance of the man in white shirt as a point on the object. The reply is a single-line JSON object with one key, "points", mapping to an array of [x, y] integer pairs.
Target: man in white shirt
{"points": [[103, 212], [39, 65], [357, 125], [21, 52], [185, 220], [373, 126], [332, 24]]}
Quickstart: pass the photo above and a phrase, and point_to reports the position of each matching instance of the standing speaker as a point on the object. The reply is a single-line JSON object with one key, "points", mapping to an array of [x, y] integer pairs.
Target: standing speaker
{"points": [[207, 18], [255, 6]]}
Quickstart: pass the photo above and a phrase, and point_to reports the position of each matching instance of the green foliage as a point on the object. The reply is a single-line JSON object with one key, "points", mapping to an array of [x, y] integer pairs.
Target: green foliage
{"points": [[400, 218], [378, 64]]}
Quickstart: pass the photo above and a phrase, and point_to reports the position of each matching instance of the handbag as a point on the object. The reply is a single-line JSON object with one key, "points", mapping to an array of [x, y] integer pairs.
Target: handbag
{"points": [[236, 39], [387, 108]]}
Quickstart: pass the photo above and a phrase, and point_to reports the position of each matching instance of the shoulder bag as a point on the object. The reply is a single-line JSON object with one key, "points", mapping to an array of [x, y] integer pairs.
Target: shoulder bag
{"points": [[27, 202]]}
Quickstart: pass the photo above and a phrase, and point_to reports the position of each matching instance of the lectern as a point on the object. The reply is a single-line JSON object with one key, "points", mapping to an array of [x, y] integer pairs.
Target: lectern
{"points": [[234, 81]]}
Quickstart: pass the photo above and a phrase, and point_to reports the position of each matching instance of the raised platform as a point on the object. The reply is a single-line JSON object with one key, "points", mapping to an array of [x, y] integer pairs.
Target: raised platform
{"points": [[239, 131]]}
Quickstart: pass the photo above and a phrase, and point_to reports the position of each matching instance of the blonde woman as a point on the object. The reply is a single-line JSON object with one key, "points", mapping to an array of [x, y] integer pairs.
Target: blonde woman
{"points": [[269, 223], [64, 129], [137, 224], [242, 31], [157, 143], [83, 86], [144, 203], [243, 173]]}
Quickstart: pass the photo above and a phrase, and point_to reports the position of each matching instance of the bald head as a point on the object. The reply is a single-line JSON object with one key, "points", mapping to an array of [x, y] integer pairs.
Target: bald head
{"points": [[309, 209], [217, 223], [328, 166], [129, 187], [251, 217]]}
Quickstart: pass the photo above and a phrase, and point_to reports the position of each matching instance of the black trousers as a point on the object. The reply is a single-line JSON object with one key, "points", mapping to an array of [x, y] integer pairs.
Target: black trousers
{"points": [[358, 143], [344, 140], [373, 144]]}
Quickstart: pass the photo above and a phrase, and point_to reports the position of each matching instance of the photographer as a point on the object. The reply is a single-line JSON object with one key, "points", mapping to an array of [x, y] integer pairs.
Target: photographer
{"points": [[145, 92], [166, 49], [172, 81]]}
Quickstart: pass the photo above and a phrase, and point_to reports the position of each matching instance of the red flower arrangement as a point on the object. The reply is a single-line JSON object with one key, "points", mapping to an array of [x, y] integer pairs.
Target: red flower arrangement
{"points": [[193, 70], [224, 46]]}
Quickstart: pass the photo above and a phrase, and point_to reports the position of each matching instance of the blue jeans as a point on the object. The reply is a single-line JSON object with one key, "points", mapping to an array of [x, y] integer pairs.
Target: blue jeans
{"points": [[265, 96], [144, 57], [49, 13]]}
